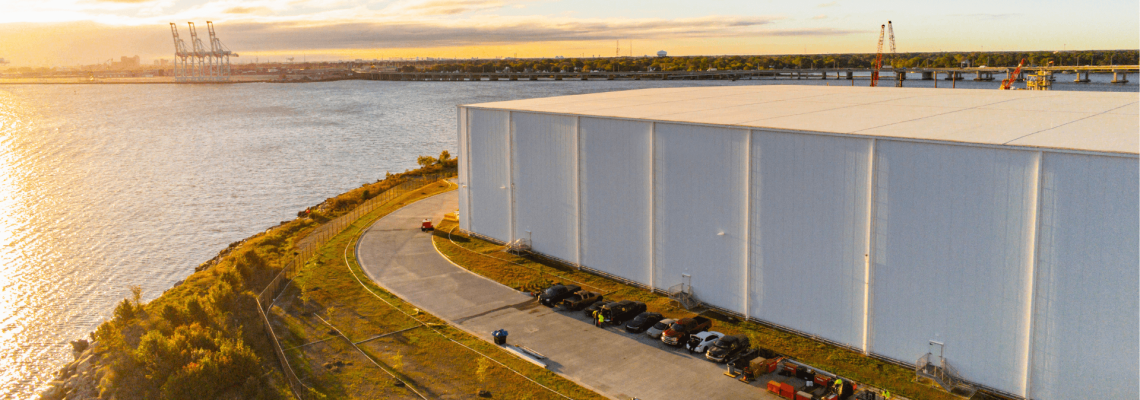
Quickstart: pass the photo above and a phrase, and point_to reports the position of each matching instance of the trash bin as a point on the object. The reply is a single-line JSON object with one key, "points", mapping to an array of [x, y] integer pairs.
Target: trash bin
{"points": [[500, 336]]}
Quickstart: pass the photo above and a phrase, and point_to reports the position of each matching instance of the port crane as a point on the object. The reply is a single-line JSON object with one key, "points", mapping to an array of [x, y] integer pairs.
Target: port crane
{"points": [[180, 55]]}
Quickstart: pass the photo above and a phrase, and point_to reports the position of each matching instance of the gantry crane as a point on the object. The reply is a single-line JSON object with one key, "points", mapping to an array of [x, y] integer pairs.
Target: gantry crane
{"points": [[200, 55], [180, 55], [221, 55], [878, 58]]}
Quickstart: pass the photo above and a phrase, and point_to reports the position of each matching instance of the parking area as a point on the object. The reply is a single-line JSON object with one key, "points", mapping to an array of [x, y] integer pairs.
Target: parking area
{"points": [[399, 257]]}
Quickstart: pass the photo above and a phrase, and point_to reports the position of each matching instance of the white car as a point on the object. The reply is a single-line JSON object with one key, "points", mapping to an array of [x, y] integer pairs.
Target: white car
{"points": [[704, 340], [659, 328]]}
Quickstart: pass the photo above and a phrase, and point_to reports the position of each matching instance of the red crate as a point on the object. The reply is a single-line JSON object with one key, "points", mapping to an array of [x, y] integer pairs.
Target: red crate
{"points": [[803, 396], [822, 380], [787, 391], [774, 387]]}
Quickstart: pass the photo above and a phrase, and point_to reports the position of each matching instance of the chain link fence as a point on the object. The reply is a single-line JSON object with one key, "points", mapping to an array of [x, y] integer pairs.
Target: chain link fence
{"points": [[308, 246]]}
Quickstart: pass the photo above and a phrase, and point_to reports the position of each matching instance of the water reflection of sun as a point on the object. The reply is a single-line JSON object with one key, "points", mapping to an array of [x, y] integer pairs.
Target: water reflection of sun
{"points": [[10, 260]]}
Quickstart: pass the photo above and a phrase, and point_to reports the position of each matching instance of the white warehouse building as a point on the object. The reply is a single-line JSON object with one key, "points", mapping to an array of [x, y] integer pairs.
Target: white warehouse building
{"points": [[1003, 224]]}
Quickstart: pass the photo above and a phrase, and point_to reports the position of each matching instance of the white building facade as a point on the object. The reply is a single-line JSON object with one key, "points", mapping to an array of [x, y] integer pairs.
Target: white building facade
{"points": [[1005, 225]]}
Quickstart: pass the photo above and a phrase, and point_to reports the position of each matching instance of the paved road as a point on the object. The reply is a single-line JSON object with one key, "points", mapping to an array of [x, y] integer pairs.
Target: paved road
{"points": [[400, 258]]}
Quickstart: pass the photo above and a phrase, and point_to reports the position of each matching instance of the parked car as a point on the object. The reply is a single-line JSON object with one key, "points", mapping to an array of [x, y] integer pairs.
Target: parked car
{"points": [[580, 300], [643, 322], [700, 342], [622, 311], [554, 294], [596, 306], [727, 347], [679, 332], [659, 327]]}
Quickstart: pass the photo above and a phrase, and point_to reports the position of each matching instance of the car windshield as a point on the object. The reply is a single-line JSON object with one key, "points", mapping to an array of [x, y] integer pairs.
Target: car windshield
{"points": [[677, 327], [553, 290], [661, 326]]}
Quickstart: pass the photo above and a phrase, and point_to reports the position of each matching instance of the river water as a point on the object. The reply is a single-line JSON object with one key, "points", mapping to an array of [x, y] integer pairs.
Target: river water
{"points": [[103, 187]]}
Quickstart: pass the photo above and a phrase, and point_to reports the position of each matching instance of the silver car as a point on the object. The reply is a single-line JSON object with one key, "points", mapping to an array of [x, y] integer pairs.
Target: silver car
{"points": [[659, 328]]}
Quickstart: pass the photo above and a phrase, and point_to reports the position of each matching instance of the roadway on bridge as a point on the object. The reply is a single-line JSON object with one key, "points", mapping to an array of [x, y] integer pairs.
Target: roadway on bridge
{"points": [[398, 257]]}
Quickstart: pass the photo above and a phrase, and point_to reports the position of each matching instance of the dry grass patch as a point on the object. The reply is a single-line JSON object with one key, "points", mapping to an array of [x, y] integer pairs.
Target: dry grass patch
{"points": [[423, 357]]}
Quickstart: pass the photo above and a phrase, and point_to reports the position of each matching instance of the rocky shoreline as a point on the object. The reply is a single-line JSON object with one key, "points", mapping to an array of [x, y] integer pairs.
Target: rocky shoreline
{"points": [[78, 379]]}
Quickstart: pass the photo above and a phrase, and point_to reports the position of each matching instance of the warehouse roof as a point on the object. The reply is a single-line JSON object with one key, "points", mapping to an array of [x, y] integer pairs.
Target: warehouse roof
{"points": [[1083, 121]]}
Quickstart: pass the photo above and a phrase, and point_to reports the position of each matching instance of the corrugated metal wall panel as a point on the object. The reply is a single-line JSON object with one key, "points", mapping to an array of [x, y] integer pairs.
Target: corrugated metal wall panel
{"points": [[1087, 317], [700, 191], [809, 233], [464, 157], [490, 181], [544, 174], [616, 197], [953, 249]]}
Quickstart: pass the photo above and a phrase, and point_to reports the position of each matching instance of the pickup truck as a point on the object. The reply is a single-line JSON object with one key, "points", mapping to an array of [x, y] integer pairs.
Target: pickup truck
{"points": [[622, 311], [679, 332], [580, 300], [554, 294]]}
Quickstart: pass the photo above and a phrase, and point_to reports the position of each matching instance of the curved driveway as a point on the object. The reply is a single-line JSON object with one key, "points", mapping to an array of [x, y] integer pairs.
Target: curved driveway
{"points": [[400, 258]]}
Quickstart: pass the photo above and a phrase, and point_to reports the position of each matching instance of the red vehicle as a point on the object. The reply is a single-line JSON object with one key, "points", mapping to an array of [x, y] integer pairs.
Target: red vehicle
{"points": [[679, 332], [426, 226]]}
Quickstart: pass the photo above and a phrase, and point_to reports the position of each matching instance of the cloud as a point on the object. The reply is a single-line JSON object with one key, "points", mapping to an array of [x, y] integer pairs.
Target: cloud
{"points": [[831, 4], [984, 16], [123, 1], [821, 16], [247, 10], [491, 31], [446, 7], [87, 42]]}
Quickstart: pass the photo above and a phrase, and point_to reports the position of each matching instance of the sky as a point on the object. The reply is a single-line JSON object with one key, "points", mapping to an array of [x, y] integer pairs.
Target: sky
{"points": [[71, 32]]}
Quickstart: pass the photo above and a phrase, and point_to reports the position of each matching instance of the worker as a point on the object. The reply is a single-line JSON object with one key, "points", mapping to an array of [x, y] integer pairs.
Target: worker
{"points": [[838, 385], [601, 319], [886, 394]]}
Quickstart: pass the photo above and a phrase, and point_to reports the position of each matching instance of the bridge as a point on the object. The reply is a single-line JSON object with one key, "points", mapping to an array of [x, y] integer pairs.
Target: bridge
{"points": [[1120, 74]]}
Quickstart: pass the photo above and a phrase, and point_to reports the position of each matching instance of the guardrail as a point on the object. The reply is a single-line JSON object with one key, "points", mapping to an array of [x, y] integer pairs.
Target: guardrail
{"points": [[307, 248]]}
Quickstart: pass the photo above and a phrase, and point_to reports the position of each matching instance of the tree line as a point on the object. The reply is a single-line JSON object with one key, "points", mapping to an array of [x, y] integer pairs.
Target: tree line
{"points": [[806, 61]]}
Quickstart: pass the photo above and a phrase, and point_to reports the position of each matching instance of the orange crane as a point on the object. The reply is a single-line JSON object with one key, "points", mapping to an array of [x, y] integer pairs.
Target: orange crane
{"points": [[878, 58], [1005, 84]]}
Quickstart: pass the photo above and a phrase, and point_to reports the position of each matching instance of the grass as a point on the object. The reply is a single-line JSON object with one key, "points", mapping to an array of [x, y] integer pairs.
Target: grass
{"points": [[204, 338], [527, 272], [423, 357]]}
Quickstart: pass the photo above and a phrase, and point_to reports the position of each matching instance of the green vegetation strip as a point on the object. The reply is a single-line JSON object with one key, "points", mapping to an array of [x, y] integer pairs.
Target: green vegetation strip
{"points": [[437, 361], [525, 272]]}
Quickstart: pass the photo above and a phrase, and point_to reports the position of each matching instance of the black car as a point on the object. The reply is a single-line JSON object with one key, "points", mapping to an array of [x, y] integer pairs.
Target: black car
{"points": [[554, 294], [596, 305], [643, 322], [727, 347], [580, 300], [622, 311]]}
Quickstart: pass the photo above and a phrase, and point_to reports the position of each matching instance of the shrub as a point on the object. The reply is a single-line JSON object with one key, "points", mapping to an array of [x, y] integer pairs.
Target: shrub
{"points": [[125, 311]]}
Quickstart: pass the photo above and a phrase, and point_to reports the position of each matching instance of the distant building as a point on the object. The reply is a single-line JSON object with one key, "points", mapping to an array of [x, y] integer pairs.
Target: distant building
{"points": [[126, 62], [662, 53]]}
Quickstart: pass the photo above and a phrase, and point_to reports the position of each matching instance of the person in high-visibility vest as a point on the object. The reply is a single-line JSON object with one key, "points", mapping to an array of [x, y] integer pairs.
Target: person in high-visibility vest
{"points": [[886, 394], [601, 319], [838, 386]]}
